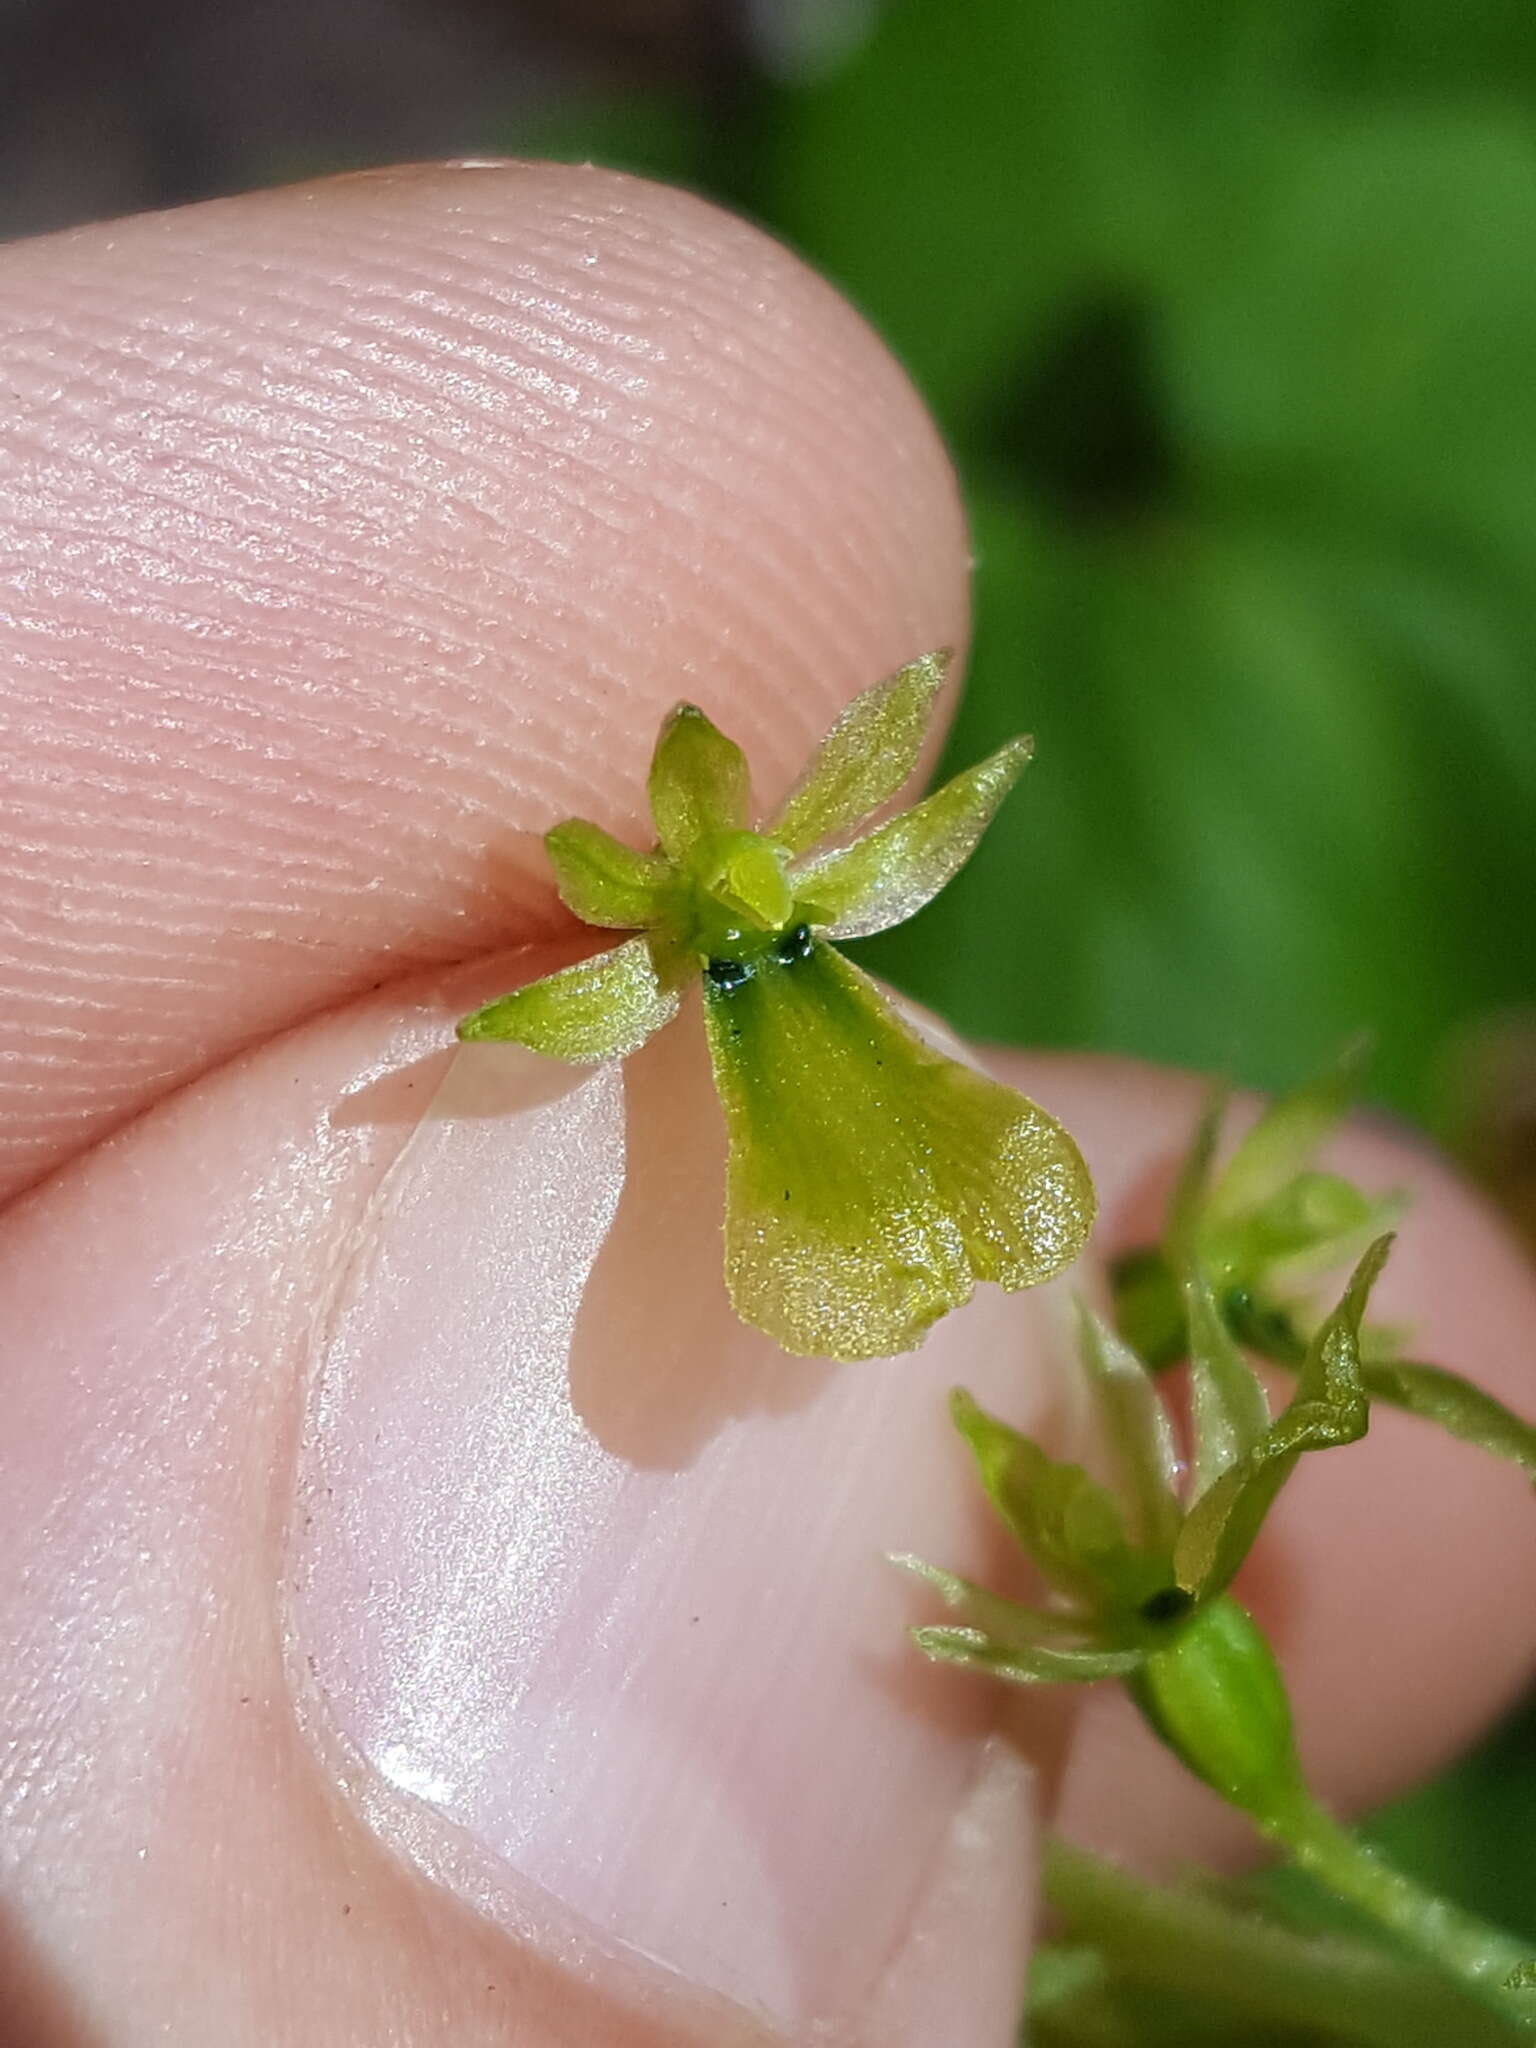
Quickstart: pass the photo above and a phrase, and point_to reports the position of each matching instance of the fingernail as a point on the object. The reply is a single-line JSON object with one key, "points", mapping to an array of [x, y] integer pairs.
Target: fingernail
{"points": [[596, 1576]]}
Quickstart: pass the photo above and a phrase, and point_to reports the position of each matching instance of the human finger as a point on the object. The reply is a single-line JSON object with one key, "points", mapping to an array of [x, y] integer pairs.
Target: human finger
{"points": [[352, 534]]}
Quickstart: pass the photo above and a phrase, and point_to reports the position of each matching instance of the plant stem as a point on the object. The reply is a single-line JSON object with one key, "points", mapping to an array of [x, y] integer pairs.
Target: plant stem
{"points": [[1481, 1957], [1255, 1971]]}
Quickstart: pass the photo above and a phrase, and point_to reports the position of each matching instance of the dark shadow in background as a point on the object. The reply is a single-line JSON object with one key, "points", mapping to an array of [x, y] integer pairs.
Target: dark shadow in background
{"points": [[107, 109]]}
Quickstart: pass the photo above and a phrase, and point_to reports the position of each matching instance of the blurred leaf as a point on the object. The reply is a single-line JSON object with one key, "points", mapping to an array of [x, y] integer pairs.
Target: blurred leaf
{"points": [[1284, 1140], [1258, 558], [1455, 1404]]}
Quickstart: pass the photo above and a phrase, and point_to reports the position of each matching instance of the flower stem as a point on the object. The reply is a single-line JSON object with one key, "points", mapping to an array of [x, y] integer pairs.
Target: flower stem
{"points": [[1242, 1969], [1483, 1958]]}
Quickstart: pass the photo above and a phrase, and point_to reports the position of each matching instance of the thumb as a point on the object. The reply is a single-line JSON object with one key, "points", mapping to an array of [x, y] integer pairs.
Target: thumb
{"points": [[410, 1571], [396, 1514]]}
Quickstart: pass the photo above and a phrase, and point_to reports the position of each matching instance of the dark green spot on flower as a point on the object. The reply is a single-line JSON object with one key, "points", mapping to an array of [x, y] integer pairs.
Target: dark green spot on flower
{"points": [[727, 975], [795, 945], [1168, 1604]]}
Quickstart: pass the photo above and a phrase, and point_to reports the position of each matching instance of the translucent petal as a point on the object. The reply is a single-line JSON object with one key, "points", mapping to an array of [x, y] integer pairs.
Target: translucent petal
{"points": [[872, 1180], [604, 881], [698, 783], [1005, 1621], [600, 1009], [1069, 1524], [1026, 1666], [865, 759], [1329, 1407], [1228, 1411], [1136, 1426], [1287, 1136], [888, 876]]}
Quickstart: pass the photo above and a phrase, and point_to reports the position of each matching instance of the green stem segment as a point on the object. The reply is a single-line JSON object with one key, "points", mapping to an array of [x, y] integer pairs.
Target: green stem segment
{"points": [[1237, 1967], [1483, 1958]]}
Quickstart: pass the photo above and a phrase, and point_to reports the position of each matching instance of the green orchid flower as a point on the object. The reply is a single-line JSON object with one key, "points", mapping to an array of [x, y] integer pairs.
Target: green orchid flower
{"points": [[1265, 1226], [1139, 1570], [871, 1180]]}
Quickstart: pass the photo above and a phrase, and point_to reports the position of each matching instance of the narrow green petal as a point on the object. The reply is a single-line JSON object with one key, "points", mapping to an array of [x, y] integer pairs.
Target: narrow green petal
{"points": [[1329, 1407], [872, 1180], [1287, 1136], [698, 784], [1187, 1204], [1136, 1426], [1025, 1666], [865, 759], [1005, 1621], [604, 881], [1228, 1410], [888, 876], [1457, 1405], [1070, 1525], [600, 1009]]}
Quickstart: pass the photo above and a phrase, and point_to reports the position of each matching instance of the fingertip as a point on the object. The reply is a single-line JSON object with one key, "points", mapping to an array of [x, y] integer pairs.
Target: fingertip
{"points": [[364, 529]]}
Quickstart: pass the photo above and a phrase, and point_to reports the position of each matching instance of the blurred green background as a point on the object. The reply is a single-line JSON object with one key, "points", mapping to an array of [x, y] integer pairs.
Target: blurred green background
{"points": [[1228, 308]]}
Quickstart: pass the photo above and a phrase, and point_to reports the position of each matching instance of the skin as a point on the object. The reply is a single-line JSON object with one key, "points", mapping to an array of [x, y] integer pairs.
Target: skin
{"points": [[348, 536]]}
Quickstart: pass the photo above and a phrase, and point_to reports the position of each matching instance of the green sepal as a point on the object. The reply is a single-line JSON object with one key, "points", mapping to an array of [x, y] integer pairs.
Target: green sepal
{"points": [[1040, 1665], [887, 877], [1286, 1136], [699, 785], [1136, 1430], [1228, 1409], [1069, 1524], [1215, 1696], [872, 1180], [1005, 1621], [1329, 1407], [865, 759], [1457, 1405], [603, 881], [600, 1009]]}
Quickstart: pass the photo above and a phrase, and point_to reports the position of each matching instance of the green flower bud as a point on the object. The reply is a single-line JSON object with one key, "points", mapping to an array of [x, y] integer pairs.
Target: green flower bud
{"points": [[1214, 1694]]}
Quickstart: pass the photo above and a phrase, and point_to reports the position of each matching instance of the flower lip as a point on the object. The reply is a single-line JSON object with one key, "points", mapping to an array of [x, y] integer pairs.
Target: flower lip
{"points": [[871, 1181]]}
